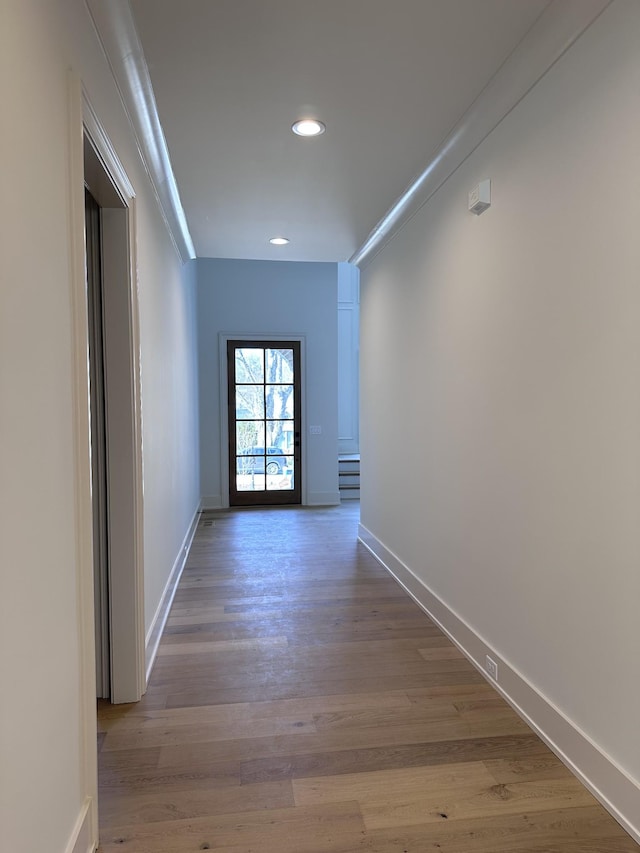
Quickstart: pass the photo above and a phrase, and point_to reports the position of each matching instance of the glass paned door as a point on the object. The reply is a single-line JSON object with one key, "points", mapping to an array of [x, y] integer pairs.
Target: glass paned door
{"points": [[264, 422]]}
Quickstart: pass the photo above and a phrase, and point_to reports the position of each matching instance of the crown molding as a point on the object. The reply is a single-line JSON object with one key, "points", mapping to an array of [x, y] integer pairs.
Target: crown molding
{"points": [[116, 30], [558, 27]]}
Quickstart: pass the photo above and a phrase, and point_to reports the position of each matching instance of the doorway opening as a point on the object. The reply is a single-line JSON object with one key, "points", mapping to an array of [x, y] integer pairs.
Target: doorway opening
{"points": [[264, 415], [99, 470], [115, 421]]}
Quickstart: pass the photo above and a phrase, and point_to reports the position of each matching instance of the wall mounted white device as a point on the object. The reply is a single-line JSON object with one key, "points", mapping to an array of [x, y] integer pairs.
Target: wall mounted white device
{"points": [[480, 197]]}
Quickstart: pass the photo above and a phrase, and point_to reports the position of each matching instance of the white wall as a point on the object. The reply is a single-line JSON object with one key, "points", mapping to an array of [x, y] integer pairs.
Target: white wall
{"points": [[170, 416], [500, 416], [265, 298], [44, 781]]}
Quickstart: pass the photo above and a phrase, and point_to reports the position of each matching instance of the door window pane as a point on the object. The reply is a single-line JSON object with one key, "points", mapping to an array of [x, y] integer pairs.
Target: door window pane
{"points": [[247, 478], [249, 437], [280, 473], [249, 365], [279, 401], [249, 402], [279, 365], [280, 435]]}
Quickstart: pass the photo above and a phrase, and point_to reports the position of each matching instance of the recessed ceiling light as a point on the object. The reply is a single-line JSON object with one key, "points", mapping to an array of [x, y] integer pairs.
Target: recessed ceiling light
{"points": [[308, 127], [278, 241]]}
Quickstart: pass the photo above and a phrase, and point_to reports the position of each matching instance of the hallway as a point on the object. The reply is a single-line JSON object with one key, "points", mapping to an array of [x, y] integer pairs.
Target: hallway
{"points": [[302, 703]]}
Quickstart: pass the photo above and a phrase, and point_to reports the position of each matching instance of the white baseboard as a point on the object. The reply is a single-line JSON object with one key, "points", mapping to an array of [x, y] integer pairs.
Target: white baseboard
{"points": [[166, 599], [82, 840], [323, 499], [211, 502], [607, 781]]}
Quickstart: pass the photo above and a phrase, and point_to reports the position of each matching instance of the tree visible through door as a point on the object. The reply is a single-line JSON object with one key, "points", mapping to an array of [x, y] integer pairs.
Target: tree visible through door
{"points": [[264, 422]]}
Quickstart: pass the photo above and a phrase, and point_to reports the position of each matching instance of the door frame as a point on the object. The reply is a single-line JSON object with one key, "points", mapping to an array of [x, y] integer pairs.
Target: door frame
{"points": [[128, 679], [124, 426], [268, 497], [223, 338]]}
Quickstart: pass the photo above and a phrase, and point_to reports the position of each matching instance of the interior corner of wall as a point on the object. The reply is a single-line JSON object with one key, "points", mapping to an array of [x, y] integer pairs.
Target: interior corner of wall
{"points": [[211, 502]]}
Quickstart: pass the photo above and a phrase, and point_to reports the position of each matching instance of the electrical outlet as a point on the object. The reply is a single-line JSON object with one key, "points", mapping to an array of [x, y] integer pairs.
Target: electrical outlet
{"points": [[492, 668]]}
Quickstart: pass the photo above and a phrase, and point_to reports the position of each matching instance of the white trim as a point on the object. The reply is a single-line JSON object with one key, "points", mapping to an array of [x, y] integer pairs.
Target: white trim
{"points": [[607, 781], [105, 149], [223, 337], [83, 507], [82, 839], [116, 30], [138, 474], [154, 634], [557, 28], [128, 676], [223, 403], [348, 359]]}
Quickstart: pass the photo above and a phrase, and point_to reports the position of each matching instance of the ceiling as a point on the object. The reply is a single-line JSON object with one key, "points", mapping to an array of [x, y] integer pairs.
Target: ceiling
{"points": [[389, 78]]}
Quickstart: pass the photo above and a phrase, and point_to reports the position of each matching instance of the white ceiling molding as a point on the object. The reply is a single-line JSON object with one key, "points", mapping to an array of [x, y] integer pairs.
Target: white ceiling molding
{"points": [[559, 26], [117, 32]]}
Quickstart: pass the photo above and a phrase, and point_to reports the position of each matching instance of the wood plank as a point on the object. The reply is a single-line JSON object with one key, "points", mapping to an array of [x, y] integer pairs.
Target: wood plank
{"points": [[251, 711], [391, 788], [527, 768], [574, 830], [209, 616], [261, 689], [134, 780], [256, 644], [425, 795], [366, 759], [466, 801], [442, 653], [143, 807], [184, 756], [199, 733], [334, 829]]}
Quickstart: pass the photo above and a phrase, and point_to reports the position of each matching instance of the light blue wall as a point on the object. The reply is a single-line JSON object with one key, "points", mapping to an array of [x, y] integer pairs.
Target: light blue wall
{"points": [[271, 299], [348, 358]]}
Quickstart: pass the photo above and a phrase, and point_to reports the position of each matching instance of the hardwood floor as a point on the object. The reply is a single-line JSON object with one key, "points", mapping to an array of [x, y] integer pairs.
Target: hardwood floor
{"points": [[302, 703]]}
